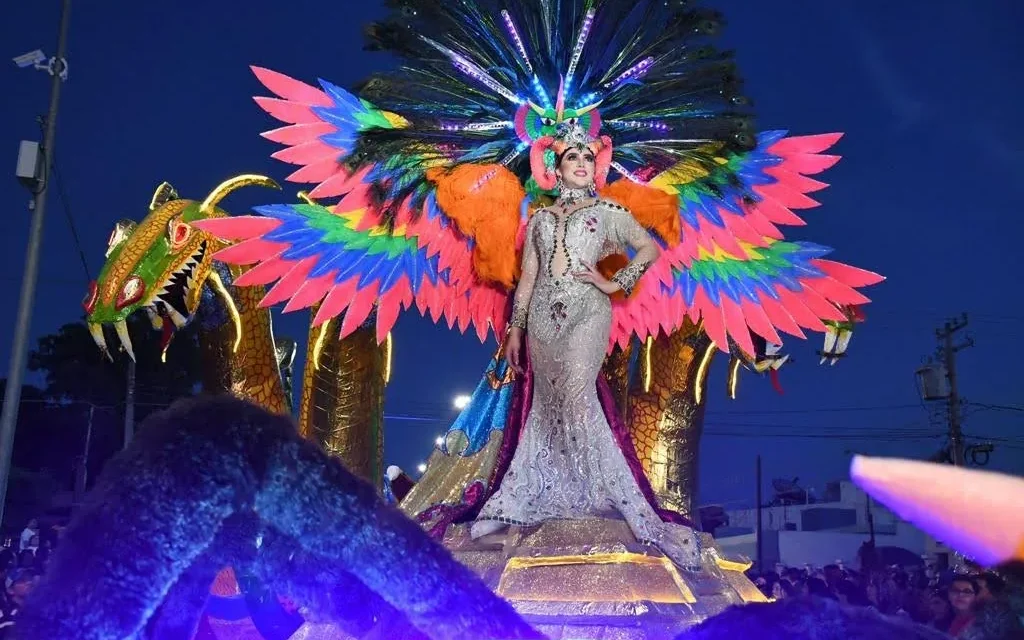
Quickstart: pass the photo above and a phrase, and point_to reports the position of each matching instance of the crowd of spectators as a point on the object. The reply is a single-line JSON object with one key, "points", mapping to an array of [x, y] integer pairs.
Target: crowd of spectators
{"points": [[22, 562], [968, 604]]}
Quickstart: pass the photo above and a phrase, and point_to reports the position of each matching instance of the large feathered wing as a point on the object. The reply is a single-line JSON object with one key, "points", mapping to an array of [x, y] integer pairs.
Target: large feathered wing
{"points": [[349, 263], [370, 250], [733, 271]]}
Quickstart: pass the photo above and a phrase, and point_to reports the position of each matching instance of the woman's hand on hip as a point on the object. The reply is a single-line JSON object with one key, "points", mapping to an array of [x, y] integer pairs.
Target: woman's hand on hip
{"points": [[593, 276]]}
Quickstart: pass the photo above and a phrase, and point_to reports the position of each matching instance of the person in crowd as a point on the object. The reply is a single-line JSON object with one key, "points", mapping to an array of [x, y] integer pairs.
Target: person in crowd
{"points": [[852, 594], [816, 587], [14, 599], [963, 595], [807, 619], [938, 612], [992, 616], [31, 530]]}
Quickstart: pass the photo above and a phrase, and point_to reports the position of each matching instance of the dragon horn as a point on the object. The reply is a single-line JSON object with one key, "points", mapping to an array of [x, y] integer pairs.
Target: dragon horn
{"points": [[226, 187], [163, 194], [560, 103]]}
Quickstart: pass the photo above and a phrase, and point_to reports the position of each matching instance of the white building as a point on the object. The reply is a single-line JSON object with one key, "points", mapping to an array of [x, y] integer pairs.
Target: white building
{"points": [[824, 531]]}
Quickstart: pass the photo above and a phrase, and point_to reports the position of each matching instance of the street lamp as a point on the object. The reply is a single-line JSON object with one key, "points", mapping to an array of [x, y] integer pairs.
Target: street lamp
{"points": [[461, 402], [421, 467]]}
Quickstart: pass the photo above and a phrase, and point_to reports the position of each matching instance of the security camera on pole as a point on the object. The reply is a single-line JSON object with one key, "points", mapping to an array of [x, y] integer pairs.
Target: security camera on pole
{"points": [[33, 171]]}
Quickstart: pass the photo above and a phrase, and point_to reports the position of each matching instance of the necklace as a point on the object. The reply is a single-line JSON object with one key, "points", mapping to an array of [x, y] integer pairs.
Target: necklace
{"points": [[568, 196]]}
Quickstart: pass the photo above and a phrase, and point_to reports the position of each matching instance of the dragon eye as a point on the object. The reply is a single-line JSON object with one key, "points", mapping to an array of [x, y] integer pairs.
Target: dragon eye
{"points": [[178, 233], [547, 122], [89, 302], [573, 121], [131, 292]]}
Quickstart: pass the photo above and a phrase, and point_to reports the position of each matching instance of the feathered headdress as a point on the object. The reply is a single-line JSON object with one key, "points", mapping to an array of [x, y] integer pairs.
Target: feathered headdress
{"points": [[488, 80]]}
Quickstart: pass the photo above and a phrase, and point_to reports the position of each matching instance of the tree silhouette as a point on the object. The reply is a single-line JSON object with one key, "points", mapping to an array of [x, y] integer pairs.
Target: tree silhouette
{"points": [[83, 387], [76, 371]]}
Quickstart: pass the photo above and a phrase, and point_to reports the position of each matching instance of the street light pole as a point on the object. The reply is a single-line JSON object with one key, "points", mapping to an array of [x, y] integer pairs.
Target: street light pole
{"points": [[19, 348]]}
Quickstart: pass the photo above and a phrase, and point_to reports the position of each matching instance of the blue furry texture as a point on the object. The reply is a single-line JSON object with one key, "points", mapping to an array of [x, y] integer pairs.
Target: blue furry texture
{"points": [[213, 482], [807, 619]]}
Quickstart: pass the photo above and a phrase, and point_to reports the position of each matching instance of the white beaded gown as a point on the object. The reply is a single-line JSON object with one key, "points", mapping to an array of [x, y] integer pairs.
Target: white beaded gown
{"points": [[567, 463]]}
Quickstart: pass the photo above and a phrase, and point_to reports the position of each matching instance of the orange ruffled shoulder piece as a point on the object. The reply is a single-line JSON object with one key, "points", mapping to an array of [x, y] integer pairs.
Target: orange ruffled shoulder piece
{"points": [[654, 209], [483, 201]]}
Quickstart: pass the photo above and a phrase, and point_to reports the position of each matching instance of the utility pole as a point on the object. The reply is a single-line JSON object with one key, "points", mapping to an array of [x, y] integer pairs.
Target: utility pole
{"points": [[760, 546], [947, 354], [871, 520], [19, 349], [129, 405], [83, 470]]}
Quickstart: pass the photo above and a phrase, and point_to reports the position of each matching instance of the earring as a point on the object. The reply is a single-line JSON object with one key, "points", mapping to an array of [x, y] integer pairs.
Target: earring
{"points": [[559, 185], [592, 190]]}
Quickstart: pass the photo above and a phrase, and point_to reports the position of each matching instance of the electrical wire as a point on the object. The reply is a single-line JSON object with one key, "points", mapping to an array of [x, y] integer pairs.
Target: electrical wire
{"points": [[996, 407], [66, 205]]}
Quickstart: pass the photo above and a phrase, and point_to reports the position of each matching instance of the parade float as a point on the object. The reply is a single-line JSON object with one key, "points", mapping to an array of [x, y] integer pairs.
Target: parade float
{"points": [[421, 189]]}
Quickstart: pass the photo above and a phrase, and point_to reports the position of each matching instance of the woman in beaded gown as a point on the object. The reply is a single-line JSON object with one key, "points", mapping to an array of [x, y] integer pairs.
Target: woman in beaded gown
{"points": [[567, 463]]}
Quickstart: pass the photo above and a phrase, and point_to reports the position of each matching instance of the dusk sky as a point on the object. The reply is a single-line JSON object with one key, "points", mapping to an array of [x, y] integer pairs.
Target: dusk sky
{"points": [[929, 194]]}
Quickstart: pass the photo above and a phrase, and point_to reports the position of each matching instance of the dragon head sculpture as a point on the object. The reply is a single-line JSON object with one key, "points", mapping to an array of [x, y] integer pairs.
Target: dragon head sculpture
{"points": [[160, 265]]}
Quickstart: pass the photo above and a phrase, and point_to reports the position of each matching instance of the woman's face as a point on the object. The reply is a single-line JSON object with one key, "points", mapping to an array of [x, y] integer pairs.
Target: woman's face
{"points": [[577, 168], [938, 607], [961, 596]]}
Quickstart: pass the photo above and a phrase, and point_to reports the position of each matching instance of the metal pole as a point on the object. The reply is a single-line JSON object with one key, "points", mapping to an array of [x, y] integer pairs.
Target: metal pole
{"points": [[129, 405], [871, 521], [948, 351], [956, 436], [760, 546], [83, 471], [19, 348]]}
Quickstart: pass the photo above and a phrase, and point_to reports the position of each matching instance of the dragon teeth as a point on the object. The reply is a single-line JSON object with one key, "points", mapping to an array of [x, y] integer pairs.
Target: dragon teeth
{"points": [[121, 328], [96, 330], [176, 317]]}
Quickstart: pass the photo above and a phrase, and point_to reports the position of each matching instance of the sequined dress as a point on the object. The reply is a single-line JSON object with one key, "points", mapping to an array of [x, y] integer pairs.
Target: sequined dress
{"points": [[567, 463]]}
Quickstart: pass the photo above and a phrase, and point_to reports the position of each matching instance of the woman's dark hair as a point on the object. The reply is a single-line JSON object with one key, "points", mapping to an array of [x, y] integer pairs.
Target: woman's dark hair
{"points": [[939, 594], [817, 587], [791, 590], [994, 583], [968, 580], [853, 592]]}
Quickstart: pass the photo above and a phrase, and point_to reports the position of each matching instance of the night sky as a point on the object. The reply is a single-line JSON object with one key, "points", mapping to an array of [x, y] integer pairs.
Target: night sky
{"points": [[929, 193]]}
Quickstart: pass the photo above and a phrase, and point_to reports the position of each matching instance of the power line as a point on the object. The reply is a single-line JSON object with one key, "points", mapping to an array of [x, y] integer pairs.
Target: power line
{"points": [[66, 205], [745, 412], [996, 407]]}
